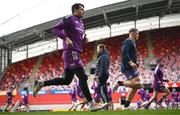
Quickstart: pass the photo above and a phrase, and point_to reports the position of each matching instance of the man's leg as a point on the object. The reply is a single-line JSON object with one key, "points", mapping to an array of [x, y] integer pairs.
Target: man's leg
{"points": [[103, 93], [134, 84], [130, 96], [103, 89], [27, 107], [7, 105], [83, 82], [104, 96], [84, 87], [167, 92], [111, 105], [82, 103], [155, 94], [73, 105], [66, 80]]}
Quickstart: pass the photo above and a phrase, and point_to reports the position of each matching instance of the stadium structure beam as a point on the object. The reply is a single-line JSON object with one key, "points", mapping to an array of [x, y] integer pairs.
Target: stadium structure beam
{"points": [[4, 44], [137, 11], [105, 18], [106, 22], [169, 3]]}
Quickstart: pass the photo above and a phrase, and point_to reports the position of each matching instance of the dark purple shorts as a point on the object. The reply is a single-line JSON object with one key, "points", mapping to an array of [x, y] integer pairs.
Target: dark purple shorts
{"points": [[9, 101], [131, 73], [72, 59], [158, 87]]}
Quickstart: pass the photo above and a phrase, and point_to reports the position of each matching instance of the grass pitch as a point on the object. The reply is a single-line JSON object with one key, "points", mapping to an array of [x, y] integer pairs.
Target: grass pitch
{"points": [[119, 112]]}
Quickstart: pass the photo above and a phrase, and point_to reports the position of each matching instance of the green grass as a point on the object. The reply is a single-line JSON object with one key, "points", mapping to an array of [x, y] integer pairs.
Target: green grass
{"points": [[120, 112]]}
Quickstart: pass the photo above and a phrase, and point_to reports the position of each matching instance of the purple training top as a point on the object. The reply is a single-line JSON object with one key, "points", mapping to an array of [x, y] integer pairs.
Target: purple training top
{"points": [[25, 98], [158, 78], [73, 28], [142, 93], [175, 96]]}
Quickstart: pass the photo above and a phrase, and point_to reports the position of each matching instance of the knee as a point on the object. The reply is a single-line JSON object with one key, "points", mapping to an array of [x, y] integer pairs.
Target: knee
{"points": [[167, 92]]}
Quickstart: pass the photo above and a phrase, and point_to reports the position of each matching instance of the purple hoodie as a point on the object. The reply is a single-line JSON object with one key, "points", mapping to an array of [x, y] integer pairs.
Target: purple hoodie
{"points": [[73, 28], [158, 77]]}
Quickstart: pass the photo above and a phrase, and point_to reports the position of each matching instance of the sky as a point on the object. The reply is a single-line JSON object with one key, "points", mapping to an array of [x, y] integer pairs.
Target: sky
{"points": [[16, 15]]}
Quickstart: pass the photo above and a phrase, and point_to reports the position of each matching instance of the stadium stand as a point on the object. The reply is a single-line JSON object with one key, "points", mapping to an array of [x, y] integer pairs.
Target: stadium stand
{"points": [[52, 66]]}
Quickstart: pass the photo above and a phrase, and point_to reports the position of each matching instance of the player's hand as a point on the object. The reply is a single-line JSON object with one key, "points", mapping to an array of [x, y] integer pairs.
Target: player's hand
{"points": [[135, 66], [68, 42]]}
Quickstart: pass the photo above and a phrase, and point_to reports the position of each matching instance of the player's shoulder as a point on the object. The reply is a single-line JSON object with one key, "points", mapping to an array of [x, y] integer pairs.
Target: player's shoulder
{"points": [[69, 17], [128, 41], [106, 57]]}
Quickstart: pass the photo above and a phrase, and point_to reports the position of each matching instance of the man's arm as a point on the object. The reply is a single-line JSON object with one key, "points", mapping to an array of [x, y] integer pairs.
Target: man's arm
{"points": [[125, 54], [104, 65], [59, 30]]}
